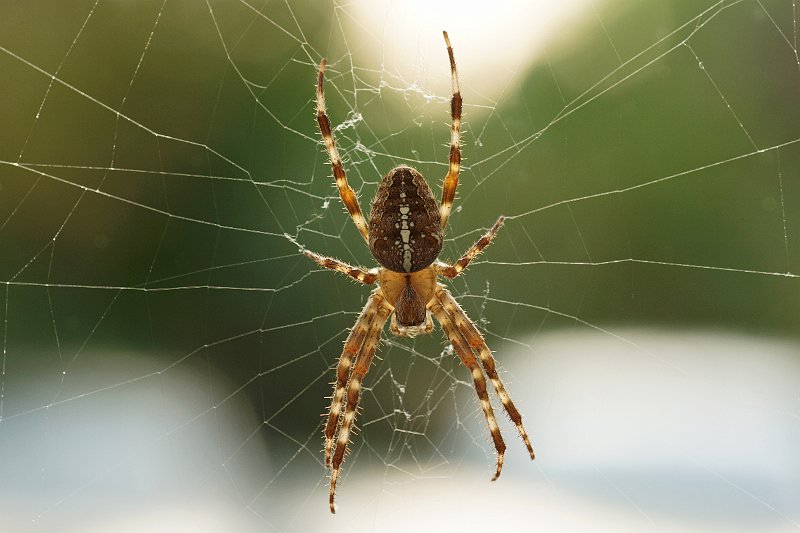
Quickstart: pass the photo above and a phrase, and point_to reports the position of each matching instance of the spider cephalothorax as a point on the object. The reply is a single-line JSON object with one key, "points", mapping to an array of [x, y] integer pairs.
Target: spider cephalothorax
{"points": [[405, 234]]}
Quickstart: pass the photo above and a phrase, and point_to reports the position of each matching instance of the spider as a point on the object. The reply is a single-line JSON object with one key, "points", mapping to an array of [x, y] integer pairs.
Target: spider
{"points": [[405, 234]]}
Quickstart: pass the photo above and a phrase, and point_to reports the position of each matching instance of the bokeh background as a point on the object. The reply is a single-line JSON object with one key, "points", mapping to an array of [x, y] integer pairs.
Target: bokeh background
{"points": [[167, 349]]}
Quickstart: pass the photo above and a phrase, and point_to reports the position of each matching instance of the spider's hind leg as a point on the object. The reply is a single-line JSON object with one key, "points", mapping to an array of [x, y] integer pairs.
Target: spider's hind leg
{"points": [[347, 194], [451, 179]]}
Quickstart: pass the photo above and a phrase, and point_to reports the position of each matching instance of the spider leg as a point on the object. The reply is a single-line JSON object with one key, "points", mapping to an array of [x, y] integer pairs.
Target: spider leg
{"points": [[451, 271], [451, 179], [372, 333], [367, 277], [462, 348], [352, 346], [476, 341], [348, 195]]}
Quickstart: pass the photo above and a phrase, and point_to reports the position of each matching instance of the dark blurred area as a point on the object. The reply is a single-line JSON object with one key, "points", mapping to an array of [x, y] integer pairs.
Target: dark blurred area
{"points": [[643, 178]]}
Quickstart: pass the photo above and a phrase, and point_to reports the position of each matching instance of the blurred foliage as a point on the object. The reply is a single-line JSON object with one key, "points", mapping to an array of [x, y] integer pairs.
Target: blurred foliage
{"points": [[626, 170]]}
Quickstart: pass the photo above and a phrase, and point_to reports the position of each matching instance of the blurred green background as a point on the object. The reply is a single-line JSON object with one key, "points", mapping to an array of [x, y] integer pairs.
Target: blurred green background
{"points": [[160, 168]]}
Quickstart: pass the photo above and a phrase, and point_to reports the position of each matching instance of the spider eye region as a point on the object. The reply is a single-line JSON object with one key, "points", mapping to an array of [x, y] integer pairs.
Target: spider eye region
{"points": [[405, 232]]}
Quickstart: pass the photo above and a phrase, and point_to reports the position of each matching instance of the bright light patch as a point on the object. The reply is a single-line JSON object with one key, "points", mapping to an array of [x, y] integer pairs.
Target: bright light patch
{"points": [[493, 42]]}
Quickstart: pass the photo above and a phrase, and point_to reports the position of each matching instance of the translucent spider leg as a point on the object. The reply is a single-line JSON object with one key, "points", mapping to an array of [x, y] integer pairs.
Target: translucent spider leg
{"points": [[348, 195], [462, 348], [367, 277], [451, 179], [477, 343], [451, 271], [362, 364]]}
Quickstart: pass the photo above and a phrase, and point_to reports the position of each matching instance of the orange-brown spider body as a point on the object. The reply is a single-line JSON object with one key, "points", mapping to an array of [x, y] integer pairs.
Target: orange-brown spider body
{"points": [[410, 295], [405, 233], [405, 237]]}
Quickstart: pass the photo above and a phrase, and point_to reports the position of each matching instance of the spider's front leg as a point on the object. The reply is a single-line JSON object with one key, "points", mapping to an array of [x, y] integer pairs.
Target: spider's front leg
{"points": [[464, 352], [360, 347], [352, 346], [465, 339], [477, 343]]}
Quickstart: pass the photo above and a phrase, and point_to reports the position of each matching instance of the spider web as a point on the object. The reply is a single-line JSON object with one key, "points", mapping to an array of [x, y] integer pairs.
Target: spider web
{"points": [[167, 350]]}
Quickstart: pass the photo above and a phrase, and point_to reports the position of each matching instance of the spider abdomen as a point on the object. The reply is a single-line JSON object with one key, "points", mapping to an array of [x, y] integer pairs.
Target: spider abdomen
{"points": [[405, 232]]}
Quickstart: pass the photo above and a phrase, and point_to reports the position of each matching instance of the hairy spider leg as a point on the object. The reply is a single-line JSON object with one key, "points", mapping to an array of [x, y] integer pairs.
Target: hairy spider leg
{"points": [[348, 195], [362, 342], [451, 271], [352, 346], [451, 179], [477, 343], [367, 277], [462, 348], [362, 364]]}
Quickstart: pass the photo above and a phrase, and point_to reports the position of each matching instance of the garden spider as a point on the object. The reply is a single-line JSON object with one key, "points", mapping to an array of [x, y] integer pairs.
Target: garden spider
{"points": [[405, 233]]}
